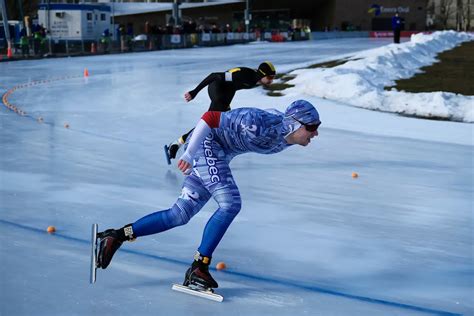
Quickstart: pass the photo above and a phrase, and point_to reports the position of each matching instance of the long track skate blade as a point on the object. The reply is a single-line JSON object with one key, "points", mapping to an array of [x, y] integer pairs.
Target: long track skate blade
{"points": [[168, 159], [93, 266], [201, 293]]}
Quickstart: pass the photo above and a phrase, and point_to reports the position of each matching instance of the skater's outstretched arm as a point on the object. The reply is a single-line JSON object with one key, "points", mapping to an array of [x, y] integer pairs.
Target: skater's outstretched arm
{"points": [[215, 76]]}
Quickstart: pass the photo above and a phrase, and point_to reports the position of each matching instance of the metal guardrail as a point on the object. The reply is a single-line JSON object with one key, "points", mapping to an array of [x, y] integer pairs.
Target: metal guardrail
{"points": [[58, 48]]}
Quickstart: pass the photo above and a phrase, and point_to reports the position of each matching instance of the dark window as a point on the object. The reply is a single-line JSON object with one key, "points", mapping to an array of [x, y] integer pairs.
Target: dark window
{"points": [[384, 24], [89, 16]]}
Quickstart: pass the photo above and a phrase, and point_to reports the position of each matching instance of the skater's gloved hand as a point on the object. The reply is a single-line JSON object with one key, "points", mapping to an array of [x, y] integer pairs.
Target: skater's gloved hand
{"points": [[188, 97], [184, 166], [185, 161]]}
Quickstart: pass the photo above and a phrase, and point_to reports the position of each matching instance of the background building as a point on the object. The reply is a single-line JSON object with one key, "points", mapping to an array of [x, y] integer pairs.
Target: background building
{"points": [[223, 15], [450, 14], [319, 15], [75, 21]]}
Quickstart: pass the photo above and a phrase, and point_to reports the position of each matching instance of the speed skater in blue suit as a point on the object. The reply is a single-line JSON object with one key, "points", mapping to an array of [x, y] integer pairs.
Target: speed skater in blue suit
{"points": [[216, 140]]}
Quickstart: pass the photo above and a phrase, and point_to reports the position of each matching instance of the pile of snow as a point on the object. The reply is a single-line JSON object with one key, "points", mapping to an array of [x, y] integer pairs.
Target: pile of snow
{"points": [[360, 82]]}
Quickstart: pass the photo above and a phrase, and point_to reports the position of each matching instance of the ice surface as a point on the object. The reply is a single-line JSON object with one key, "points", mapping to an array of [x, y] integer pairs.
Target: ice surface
{"points": [[310, 239]]}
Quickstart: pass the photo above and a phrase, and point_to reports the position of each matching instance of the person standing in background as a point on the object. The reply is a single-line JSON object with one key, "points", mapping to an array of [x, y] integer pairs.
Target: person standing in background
{"points": [[396, 27]]}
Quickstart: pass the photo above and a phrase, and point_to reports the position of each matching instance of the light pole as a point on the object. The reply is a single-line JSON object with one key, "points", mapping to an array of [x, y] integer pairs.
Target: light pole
{"points": [[247, 16], [112, 18], [176, 12], [5, 24]]}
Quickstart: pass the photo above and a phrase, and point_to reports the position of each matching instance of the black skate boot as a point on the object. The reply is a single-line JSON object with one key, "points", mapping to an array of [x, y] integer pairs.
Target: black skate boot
{"points": [[173, 149], [110, 242], [198, 274]]}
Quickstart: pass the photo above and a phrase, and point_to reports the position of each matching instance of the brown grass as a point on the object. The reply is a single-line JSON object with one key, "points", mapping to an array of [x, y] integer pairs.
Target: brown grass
{"points": [[453, 73], [273, 89], [330, 64]]}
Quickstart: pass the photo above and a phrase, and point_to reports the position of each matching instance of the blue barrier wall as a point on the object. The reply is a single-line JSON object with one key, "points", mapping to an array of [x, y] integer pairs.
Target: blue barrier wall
{"points": [[329, 35]]}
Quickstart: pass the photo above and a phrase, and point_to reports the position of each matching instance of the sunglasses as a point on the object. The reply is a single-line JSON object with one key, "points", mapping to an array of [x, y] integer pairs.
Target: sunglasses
{"points": [[309, 127]]}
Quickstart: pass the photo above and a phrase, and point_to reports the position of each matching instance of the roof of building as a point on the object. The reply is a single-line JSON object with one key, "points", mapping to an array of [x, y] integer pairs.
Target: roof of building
{"points": [[129, 8]]}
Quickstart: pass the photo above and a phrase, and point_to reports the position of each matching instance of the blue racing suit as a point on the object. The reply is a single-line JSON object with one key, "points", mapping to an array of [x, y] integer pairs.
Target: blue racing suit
{"points": [[238, 131]]}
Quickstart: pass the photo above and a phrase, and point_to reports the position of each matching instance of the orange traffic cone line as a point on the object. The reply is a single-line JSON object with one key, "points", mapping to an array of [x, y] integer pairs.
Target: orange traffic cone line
{"points": [[86, 72], [9, 52]]}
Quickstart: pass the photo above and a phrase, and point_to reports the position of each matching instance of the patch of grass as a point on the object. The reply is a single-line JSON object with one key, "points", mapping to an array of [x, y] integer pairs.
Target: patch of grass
{"points": [[279, 76], [286, 78], [278, 86], [274, 94], [330, 64], [453, 73], [273, 89], [281, 85]]}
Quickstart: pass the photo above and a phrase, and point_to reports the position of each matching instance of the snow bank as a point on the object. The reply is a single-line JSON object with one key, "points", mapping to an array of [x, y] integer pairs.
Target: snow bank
{"points": [[360, 82]]}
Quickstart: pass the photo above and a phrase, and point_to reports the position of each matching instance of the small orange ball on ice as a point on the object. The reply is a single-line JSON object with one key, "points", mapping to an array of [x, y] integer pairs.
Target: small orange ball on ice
{"points": [[220, 266], [51, 229], [355, 175]]}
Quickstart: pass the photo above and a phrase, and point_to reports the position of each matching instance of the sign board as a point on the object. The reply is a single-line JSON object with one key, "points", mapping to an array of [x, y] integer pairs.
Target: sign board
{"points": [[175, 38]]}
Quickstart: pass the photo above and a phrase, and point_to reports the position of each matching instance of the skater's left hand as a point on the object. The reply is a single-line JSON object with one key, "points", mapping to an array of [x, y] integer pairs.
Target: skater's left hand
{"points": [[184, 166], [188, 97]]}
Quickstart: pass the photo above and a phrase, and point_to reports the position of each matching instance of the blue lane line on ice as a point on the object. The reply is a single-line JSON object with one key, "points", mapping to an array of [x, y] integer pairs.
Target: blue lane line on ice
{"points": [[288, 283]]}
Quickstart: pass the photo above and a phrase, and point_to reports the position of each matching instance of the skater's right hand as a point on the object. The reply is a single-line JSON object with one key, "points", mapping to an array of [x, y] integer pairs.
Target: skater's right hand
{"points": [[188, 97], [184, 166]]}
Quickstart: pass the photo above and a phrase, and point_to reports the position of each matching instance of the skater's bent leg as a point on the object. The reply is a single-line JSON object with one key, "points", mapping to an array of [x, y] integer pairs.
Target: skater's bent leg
{"points": [[183, 138], [174, 147], [228, 198], [193, 197], [229, 201]]}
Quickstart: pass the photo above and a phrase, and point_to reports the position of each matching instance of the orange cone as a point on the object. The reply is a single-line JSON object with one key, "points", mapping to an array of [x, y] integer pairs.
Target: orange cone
{"points": [[9, 52], [86, 72]]}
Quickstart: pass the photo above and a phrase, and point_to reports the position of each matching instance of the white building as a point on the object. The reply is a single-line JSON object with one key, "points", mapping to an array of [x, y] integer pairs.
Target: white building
{"points": [[75, 21]]}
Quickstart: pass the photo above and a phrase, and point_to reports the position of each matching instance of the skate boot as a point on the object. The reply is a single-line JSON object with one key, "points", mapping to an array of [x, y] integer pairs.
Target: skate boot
{"points": [[110, 242], [173, 149], [198, 275]]}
